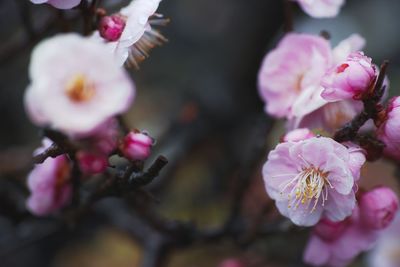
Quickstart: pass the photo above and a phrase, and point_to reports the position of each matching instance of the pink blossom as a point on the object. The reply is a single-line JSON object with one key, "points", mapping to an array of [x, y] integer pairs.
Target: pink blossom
{"points": [[337, 244], [311, 178], [389, 131], [75, 96], [61, 4], [321, 8], [92, 163], [136, 146], [290, 75], [49, 184], [298, 135], [136, 37], [378, 207], [349, 79]]}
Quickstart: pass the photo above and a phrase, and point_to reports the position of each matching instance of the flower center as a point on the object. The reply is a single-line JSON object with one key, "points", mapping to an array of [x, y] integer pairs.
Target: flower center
{"points": [[308, 186], [79, 89]]}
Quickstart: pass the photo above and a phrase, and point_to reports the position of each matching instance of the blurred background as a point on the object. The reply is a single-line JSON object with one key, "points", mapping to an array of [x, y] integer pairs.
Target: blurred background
{"points": [[197, 95]]}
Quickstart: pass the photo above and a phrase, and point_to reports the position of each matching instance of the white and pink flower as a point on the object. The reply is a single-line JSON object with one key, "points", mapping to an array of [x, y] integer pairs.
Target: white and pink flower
{"points": [[130, 35], [312, 178], [76, 85], [61, 4], [289, 80], [321, 8]]}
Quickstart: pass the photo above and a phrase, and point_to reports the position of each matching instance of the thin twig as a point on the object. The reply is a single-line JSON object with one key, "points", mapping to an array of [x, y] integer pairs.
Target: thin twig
{"points": [[288, 10]]}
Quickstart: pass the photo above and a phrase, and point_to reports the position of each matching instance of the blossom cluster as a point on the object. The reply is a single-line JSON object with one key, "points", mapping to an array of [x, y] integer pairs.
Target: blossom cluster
{"points": [[79, 87], [314, 173]]}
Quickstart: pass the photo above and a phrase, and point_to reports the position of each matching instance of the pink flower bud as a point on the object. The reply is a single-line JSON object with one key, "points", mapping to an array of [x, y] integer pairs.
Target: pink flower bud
{"points": [[328, 230], [350, 79], [298, 135], [378, 207], [91, 163], [389, 130], [137, 146], [111, 27]]}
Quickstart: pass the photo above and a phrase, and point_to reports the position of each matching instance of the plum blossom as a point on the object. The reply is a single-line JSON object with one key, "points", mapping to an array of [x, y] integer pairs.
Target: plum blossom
{"points": [[49, 184], [330, 116], [298, 135], [130, 35], [379, 207], [321, 8], [389, 130], [336, 244], [290, 75], [350, 79], [61, 4], [75, 96], [136, 146], [312, 178]]}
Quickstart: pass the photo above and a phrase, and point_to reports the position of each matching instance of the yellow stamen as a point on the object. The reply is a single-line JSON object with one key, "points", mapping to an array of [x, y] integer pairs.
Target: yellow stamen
{"points": [[79, 89]]}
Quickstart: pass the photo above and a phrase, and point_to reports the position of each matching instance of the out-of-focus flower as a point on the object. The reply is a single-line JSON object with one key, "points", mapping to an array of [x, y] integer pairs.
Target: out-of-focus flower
{"points": [[49, 184], [378, 207], [350, 79], [389, 130], [136, 146], [321, 8], [290, 75], [311, 178], [130, 34], [329, 117], [387, 250], [61, 4], [92, 163], [337, 244], [298, 135], [75, 96]]}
